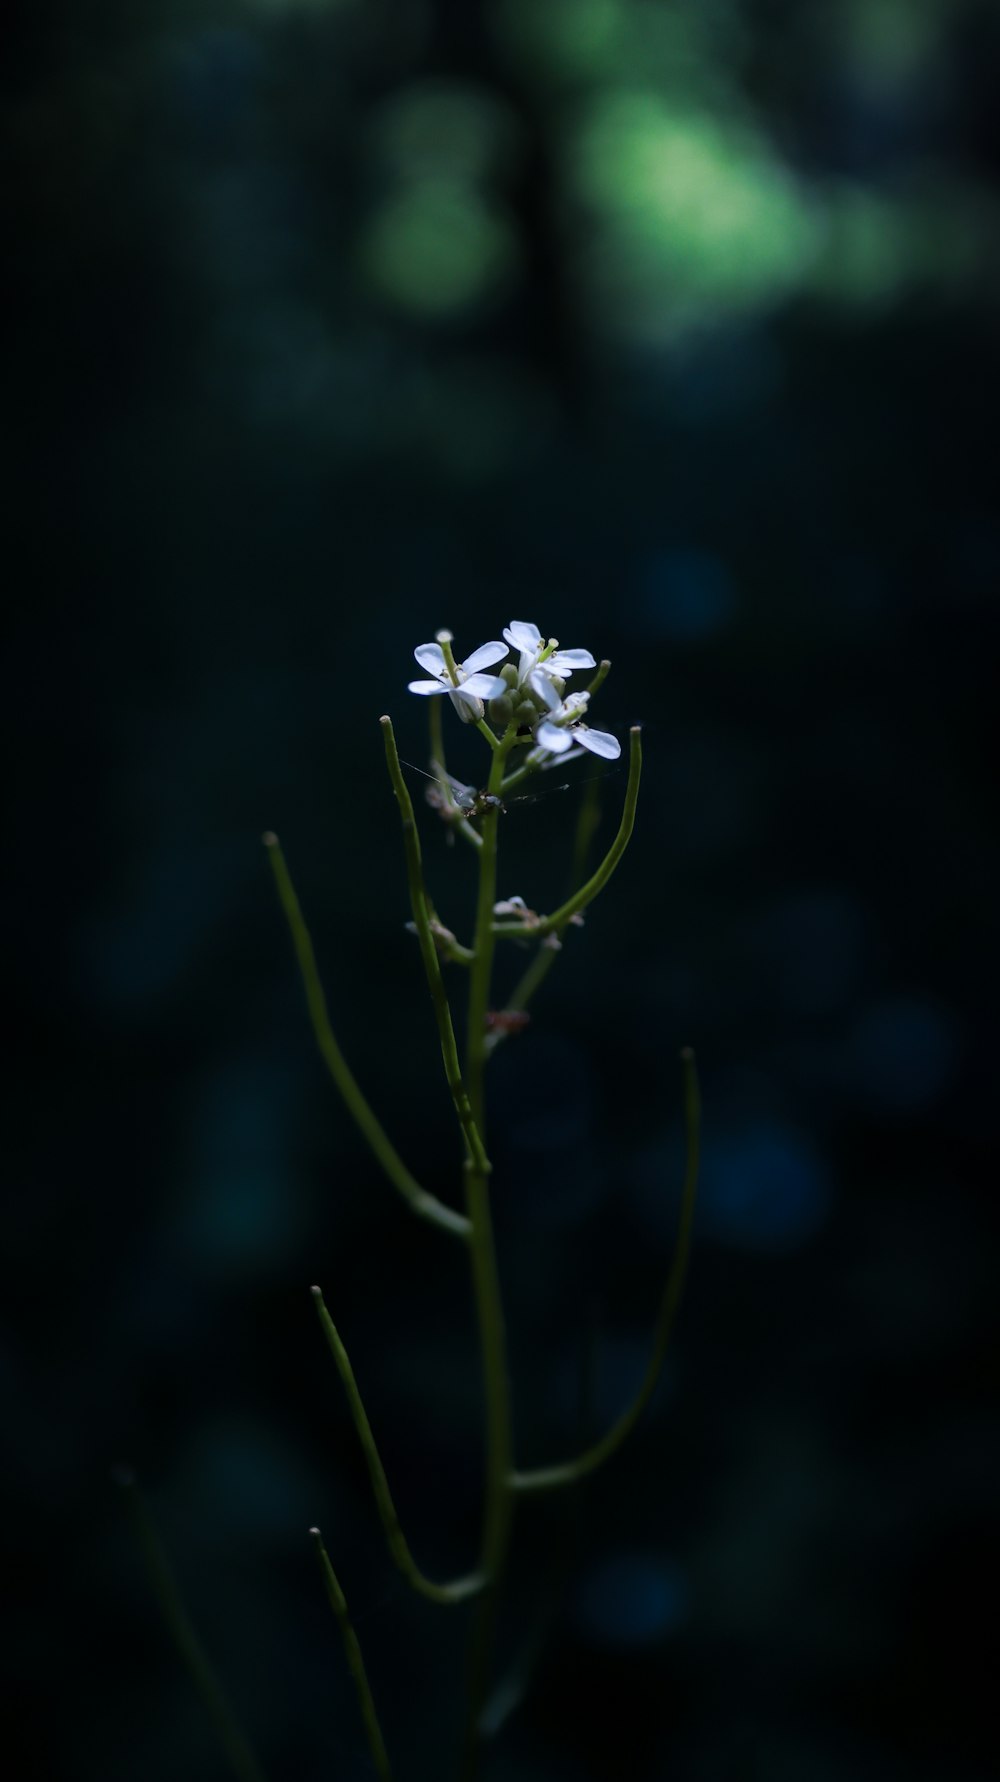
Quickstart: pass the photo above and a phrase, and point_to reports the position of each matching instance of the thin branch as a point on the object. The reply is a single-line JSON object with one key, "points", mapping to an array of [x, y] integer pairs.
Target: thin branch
{"points": [[595, 884], [355, 1662], [603, 670], [425, 1205], [548, 1478], [429, 954], [588, 818], [461, 1588], [179, 1625]]}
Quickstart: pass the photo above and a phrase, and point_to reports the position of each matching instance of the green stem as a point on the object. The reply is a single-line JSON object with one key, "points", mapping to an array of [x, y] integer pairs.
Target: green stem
{"points": [[595, 884], [181, 1629], [425, 1205], [437, 734], [550, 1477], [429, 955], [587, 821], [355, 1662], [481, 969], [520, 773], [461, 1588], [499, 1500], [603, 670], [499, 1503]]}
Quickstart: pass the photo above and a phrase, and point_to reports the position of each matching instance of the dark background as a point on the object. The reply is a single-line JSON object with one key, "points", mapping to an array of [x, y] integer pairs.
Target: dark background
{"points": [[672, 329]]}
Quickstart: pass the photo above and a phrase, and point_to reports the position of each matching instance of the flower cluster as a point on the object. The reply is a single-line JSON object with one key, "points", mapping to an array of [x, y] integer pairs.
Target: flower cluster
{"points": [[530, 693]]}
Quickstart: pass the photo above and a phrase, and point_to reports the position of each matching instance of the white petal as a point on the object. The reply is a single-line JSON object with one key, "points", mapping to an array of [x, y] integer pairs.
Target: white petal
{"points": [[539, 683], [523, 636], [552, 738], [598, 742], [468, 693], [483, 686], [564, 661], [431, 657], [428, 686], [484, 657]]}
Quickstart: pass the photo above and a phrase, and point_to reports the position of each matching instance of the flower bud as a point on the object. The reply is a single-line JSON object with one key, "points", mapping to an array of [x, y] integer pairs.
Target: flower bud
{"points": [[559, 684], [508, 673], [526, 713], [501, 710]]}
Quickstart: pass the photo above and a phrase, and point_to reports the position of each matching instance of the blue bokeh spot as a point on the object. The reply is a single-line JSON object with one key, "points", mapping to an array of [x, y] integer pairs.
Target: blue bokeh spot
{"points": [[905, 1051], [687, 594], [630, 1599], [763, 1187]]}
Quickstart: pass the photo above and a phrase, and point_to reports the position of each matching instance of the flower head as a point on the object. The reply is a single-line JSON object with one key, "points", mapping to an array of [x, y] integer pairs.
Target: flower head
{"points": [[531, 644], [561, 728], [470, 687]]}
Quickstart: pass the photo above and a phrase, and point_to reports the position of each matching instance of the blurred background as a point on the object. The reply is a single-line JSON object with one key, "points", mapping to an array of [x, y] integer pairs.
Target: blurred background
{"points": [[670, 327]]}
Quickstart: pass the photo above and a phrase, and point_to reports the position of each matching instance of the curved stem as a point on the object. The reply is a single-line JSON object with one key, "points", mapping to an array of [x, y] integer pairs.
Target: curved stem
{"points": [[461, 1588], [355, 1662], [425, 1205], [550, 1477], [429, 955], [595, 884], [546, 954], [181, 1629]]}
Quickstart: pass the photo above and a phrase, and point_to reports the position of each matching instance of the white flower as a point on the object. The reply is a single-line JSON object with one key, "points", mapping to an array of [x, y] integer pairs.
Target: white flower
{"points": [[530, 642], [473, 686], [562, 729]]}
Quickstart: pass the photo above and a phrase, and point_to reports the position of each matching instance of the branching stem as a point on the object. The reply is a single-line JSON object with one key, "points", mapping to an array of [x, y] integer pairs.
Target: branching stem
{"points": [[550, 1477], [595, 884], [425, 1205], [461, 1588], [498, 1505], [429, 955]]}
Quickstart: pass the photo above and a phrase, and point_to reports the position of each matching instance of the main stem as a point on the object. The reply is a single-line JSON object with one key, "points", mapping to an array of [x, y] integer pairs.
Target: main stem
{"points": [[499, 1501]]}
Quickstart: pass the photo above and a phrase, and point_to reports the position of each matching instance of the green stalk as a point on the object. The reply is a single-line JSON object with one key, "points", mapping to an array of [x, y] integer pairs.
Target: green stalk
{"points": [[425, 1205], [355, 1662], [429, 954], [461, 1588], [499, 1501], [603, 670], [182, 1631], [498, 1505], [595, 884], [550, 1477], [545, 957], [437, 733]]}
